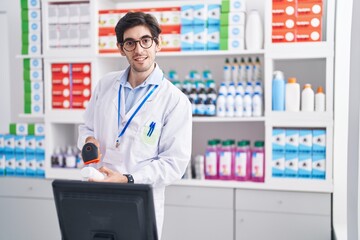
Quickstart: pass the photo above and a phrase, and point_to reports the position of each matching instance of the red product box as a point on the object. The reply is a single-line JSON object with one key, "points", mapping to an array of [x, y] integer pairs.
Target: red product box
{"points": [[80, 102], [309, 21], [59, 79], [60, 102], [81, 80], [283, 22], [81, 68], [80, 90], [284, 9], [309, 8], [61, 68], [61, 91], [308, 35], [283, 35]]}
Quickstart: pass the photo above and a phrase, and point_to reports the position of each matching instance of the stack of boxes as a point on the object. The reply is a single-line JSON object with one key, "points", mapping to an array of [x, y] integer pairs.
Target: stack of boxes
{"points": [[232, 21], [31, 46], [71, 85], [69, 25], [22, 151], [33, 86], [299, 153], [297, 20], [200, 27]]}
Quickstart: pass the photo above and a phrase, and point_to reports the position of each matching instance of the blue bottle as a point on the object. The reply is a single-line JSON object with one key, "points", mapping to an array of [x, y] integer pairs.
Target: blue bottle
{"points": [[278, 91]]}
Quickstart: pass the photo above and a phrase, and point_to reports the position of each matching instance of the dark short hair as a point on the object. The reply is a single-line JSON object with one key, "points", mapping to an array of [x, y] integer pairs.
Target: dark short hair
{"points": [[133, 19]]}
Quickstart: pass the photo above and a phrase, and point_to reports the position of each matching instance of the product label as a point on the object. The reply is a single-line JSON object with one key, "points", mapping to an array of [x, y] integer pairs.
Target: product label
{"points": [[257, 165], [210, 161], [225, 164], [240, 164]]}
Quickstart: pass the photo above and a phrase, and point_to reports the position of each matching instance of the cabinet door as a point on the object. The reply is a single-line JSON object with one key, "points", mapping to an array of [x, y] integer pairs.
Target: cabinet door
{"points": [[281, 226], [193, 223]]}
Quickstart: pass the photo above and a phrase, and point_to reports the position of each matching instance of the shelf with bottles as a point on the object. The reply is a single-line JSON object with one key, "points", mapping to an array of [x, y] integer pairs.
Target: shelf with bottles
{"points": [[310, 95]]}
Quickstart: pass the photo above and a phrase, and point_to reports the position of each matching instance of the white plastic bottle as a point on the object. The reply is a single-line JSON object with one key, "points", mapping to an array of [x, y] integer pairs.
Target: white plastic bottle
{"points": [[235, 71], [231, 89], [320, 100], [249, 70], [258, 88], [307, 99], [256, 105], [249, 88], [220, 105], [91, 172], [238, 108], [240, 89], [257, 70], [229, 105], [242, 71], [227, 71], [292, 95], [247, 103], [254, 35], [223, 89]]}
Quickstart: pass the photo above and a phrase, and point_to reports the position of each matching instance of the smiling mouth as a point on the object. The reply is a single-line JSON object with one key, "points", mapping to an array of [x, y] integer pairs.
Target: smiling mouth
{"points": [[140, 59]]}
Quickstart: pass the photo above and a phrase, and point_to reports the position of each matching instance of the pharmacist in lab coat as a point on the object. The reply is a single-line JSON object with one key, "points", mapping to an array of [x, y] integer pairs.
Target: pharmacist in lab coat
{"points": [[140, 121]]}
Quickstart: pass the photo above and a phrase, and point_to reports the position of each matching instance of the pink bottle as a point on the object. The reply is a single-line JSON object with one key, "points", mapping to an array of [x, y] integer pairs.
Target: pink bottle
{"points": [[226, 160], [258, 162], [211, 160], [242, 165]]}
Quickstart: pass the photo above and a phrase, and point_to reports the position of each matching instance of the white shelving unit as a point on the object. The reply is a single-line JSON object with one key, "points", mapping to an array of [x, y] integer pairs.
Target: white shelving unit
{"points": [[273, 55]]}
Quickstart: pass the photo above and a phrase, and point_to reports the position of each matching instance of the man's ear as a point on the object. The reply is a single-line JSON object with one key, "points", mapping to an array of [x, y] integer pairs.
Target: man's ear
{"points": [[120, 49], [158, 46]]}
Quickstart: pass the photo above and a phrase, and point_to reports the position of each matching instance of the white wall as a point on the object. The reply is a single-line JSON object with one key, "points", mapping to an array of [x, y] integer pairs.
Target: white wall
{"points": [[4, 76]]}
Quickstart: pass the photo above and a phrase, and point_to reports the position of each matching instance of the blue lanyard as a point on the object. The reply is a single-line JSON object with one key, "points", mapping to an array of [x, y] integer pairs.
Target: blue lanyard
{"points": [[132, 116]]}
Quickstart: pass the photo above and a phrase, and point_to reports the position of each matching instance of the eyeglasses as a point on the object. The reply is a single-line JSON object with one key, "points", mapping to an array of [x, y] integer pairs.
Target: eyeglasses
{"points": [[145, 42]]}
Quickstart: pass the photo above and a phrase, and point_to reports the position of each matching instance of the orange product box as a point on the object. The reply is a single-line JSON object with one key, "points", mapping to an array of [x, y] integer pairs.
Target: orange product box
{"points": [[171, 43], [80, 102], [282, 22], [284, 9], [308, 35], [309, 21], [60, 68], [60, 102], [59, 79], [83, 68], [309, 8], [60, 90], [80, 90], [284, 1], [81, 80], [283, 35]]}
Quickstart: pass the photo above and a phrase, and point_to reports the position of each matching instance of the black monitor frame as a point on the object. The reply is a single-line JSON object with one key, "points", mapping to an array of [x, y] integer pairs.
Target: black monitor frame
{"points": [[104, 211]]}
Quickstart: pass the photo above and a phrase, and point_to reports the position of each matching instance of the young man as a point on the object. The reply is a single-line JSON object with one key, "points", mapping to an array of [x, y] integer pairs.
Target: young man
{"points": [[141, 123]]}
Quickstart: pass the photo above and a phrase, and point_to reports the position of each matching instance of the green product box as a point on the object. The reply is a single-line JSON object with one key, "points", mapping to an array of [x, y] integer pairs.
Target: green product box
{"points": [[26, 76], [26, 64], [233, 6], [27, 86], [224, 32], [224, 44], [30, 4], [31, 129], [25, 26], [25, 38], [225, 6], [27, 108], [12, 128], [27, 97], [25, 49]]}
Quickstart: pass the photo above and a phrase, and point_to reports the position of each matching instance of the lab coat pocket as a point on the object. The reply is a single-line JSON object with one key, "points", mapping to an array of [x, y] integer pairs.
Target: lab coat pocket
{"points": [[150, 133]]}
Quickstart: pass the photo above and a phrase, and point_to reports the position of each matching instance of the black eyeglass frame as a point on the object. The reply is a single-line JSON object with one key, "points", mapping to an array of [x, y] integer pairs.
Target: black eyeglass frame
{"points": [[138, 41]]}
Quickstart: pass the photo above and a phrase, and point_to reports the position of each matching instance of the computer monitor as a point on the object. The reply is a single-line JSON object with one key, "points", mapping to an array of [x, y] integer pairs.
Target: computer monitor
{"points": [[104, 211]]}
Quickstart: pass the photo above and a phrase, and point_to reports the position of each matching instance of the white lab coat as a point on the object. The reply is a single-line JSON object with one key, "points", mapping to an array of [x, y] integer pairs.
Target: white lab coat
{"points": [[159, 159]]}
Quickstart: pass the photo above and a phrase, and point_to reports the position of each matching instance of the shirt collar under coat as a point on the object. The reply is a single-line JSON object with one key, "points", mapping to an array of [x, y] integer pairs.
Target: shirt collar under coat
{"points": [[154, 78]]}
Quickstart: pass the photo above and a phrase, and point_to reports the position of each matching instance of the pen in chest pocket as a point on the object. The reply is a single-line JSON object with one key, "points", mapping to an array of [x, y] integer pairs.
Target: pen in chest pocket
{"points": [[151, 129]]}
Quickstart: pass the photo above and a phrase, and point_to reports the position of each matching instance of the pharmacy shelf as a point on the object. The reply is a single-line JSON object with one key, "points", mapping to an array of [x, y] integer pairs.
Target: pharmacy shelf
{"points": [[195, 53], [306, 50], [65, 116], [303, 119], [32, 117], [29, 56], [228, 119], [282, 184]]}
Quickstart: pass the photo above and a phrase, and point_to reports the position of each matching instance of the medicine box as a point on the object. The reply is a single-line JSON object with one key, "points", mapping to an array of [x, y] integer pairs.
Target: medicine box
{"points": [[20, 164], [200, 14], [305, 165], [291, 164], [170, 16], [278, 140], [232, 31], [213, 37], [318, 166], [2, 164], [30, 169], [32, 63], [292, 140], [236, 18], [84, 9], [9, 163], [40, 165], [19, 144], [213, 14], [9, 143], [39, 129], [40, 144], [187, 15], [187, 38], [233, 6], [30, 4], [283, 35], [200, 37], [319, 141], [31, 15], [2, 142], [30, 144], [278, 164], [305, 141], [232, 44]]}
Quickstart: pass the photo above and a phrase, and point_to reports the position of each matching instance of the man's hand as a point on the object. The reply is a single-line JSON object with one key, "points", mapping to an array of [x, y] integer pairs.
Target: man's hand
{"points": [[110, 176]]}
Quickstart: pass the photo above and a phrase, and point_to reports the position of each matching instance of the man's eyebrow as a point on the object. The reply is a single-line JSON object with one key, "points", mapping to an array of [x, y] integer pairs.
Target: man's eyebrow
{"points": [[132, 39]]}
